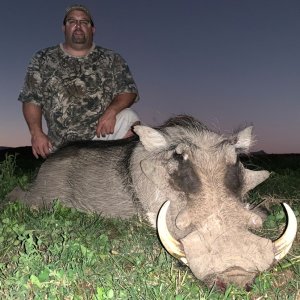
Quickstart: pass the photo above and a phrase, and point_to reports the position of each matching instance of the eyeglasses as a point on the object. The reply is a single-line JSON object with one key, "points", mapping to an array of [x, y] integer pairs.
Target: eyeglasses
{"points": [[81, 23]]}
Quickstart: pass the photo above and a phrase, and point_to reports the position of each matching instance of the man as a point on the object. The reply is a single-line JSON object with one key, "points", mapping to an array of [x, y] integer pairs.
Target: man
{"points": [[84, 91]]}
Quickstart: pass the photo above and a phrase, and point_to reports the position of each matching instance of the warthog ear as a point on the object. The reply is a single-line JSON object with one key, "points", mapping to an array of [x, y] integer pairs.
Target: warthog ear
{"points": [[151, 139], [241, 143], [243, 140]]}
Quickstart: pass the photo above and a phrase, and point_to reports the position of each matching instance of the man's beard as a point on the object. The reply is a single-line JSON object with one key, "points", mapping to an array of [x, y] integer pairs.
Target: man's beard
{"points": [[78, 39]]}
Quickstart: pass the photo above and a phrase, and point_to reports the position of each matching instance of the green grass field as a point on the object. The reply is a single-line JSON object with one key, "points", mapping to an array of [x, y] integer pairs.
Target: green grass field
{"points": [[64, 254]]}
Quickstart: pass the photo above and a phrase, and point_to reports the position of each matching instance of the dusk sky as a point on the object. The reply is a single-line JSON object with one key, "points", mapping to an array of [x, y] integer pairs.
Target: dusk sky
{"points": [[228, 63]]}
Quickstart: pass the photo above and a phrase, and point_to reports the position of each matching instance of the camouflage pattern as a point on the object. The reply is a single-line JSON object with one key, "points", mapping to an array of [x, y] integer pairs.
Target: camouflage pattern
{"points": [[73, 92]]}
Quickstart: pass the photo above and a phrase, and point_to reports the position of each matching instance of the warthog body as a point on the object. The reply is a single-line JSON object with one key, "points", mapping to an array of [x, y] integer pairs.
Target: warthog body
{"points": [[196, 170]]}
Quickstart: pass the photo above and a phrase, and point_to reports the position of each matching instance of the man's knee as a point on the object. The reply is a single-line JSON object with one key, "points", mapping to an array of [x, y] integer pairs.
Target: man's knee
{"points": [[127, 116], [125, 119]]}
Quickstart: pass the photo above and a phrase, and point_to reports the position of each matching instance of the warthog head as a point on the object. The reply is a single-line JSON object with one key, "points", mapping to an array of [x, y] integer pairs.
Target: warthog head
{"points": [[204, 221]]}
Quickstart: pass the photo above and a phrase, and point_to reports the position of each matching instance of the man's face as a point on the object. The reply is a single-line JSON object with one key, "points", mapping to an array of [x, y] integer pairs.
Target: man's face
{"points": [[78, 29]]}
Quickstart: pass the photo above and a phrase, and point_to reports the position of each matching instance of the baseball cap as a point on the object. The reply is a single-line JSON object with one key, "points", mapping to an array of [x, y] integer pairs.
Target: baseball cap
{"points": [[78, 7]]}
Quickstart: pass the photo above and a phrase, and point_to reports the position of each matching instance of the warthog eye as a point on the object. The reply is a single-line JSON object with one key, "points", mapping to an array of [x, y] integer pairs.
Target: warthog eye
{"points": [[184, 178]]}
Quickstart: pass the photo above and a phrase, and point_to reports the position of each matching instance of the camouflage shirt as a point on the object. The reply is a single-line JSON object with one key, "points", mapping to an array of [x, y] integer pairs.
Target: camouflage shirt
{"points": [[73, 92]]}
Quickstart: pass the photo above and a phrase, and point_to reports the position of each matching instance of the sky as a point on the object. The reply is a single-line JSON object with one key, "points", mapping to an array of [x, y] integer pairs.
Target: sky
{"points": [[228, 63]]}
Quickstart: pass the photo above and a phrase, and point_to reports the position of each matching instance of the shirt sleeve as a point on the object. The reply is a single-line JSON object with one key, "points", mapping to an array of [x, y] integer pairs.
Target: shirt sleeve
{"points": [[123, 79], [32, 88]]}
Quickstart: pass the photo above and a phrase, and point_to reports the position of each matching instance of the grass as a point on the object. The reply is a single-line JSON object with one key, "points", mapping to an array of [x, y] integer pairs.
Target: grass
{"points": [[64, 254]]}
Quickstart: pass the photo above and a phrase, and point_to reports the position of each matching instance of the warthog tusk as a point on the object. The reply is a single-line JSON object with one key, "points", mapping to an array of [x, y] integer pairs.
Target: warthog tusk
{"points": [[171, 244], [284, 243]]}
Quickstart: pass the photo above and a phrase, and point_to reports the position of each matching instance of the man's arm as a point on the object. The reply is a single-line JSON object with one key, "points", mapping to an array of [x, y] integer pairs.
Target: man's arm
{"points": [[107, 121], [39, 140]]}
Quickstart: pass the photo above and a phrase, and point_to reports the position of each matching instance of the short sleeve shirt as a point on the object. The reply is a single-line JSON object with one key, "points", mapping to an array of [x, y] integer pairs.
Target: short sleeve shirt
{"points": [[73, 92]]}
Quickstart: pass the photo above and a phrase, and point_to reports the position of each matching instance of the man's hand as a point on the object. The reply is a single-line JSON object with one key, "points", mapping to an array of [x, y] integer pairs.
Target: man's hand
{"points": [[41, 145], [40, 142], [106, 124]]}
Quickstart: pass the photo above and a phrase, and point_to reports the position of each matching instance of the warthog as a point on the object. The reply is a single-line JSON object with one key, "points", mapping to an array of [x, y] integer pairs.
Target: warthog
{"points": [[186, 180]]}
